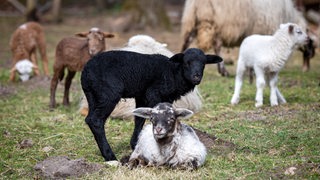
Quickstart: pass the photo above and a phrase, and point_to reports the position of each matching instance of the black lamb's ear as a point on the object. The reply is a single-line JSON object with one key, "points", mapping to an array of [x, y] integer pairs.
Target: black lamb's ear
{"points": [[178, 58], [213, 59]]}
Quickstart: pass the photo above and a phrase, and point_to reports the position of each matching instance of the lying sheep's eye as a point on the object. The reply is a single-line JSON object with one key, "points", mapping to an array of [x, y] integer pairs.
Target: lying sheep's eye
{"points": [[299, 32]]}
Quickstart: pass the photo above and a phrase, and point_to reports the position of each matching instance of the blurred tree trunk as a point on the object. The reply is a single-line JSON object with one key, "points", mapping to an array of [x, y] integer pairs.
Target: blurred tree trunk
{"points": [[147, 13], [31, 11], [56, 10]]}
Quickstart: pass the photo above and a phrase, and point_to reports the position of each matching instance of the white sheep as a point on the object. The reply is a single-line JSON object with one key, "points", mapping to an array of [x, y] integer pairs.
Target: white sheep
{"points": [[267, 55], [147, 45], [167, 141], [217, 23]]}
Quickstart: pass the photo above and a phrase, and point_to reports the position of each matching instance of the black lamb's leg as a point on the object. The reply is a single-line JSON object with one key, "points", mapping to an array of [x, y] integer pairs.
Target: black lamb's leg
{"points": [[138, 124], [98, 114], [97, 128]]}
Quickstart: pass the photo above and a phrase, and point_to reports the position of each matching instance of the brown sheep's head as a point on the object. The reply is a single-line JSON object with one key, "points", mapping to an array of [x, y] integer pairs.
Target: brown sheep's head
{"points": [[95, 38]]}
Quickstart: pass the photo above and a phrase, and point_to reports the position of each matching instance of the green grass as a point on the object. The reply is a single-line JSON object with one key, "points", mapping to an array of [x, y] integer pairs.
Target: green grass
{"points": [[267, 140]]}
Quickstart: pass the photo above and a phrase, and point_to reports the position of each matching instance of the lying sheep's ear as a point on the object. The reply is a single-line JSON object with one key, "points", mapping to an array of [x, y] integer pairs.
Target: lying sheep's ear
{"points": [[107, 35], [177, 58], [82, 34], [182, 113], [142, 112], [213, 59]]}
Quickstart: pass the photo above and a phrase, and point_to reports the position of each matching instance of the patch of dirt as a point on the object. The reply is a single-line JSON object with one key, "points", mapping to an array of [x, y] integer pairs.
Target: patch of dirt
{"points": [[211, 141], [6, 91], [62, 167], [37, 82], [296, 171]]}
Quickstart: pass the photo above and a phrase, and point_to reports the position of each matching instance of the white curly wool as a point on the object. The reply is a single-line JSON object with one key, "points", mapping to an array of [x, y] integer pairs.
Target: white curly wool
{"points": [[267, 55], [159, 145]]}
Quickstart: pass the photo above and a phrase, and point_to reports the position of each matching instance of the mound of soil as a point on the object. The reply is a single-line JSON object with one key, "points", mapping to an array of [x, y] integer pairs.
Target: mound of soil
{"points": [[211, 141], [61, 167]]}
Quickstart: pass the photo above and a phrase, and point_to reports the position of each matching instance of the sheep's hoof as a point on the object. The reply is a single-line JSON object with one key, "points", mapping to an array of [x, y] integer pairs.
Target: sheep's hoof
{"points": [[234, 101], [258, 105], [113, 163]]}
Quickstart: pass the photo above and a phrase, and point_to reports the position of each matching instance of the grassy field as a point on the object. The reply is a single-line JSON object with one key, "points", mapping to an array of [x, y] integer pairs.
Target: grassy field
{"points": [[269, 141]]}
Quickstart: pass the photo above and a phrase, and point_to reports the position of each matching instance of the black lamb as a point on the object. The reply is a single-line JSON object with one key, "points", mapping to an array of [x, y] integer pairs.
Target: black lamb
{"points": [[112, 75]]}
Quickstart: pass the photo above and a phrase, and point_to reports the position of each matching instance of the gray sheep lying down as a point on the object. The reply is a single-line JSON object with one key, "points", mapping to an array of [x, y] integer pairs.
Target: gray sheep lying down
{"points": [[112, 75], [167, 141]]}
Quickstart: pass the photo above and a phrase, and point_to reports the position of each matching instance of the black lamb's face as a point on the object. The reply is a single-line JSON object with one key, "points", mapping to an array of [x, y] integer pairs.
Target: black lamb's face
{"points": [[193, 66]]}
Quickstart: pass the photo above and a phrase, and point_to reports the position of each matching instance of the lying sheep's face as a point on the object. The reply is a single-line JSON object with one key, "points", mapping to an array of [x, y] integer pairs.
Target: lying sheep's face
{"points": [[164, 118]]}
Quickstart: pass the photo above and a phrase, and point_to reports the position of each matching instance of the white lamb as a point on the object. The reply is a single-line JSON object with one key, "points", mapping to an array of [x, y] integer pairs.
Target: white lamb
{"points": [[167, 142], [267, 55]]}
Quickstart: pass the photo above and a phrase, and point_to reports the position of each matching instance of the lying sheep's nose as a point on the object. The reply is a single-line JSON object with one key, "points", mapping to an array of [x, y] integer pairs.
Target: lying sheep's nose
{"points": [[158, 129]]}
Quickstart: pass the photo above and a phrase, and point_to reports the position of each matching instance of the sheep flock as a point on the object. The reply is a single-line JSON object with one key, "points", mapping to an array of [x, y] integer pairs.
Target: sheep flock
{"points": [[145, 80]]}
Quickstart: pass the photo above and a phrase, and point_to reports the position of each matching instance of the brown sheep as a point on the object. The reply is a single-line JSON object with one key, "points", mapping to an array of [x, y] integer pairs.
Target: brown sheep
{"points": [[73, 53], [23, 43]]}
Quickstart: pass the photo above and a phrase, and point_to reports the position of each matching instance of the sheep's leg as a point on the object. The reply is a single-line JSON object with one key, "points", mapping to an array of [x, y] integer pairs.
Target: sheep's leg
{"points": [[96, 121], [44, 58], [34, 61], [238, 81], [273, 79], [58, 72], [138, 124], [221, 67], [260, 83], [281, 99], [67, 85], [100, 109], [12, 74]]}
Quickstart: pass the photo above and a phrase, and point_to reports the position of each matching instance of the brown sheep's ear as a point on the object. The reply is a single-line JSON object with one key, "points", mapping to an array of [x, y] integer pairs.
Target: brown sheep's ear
{"points": [[82, 34], [177, 58], [107, 35], [213, 59]]}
